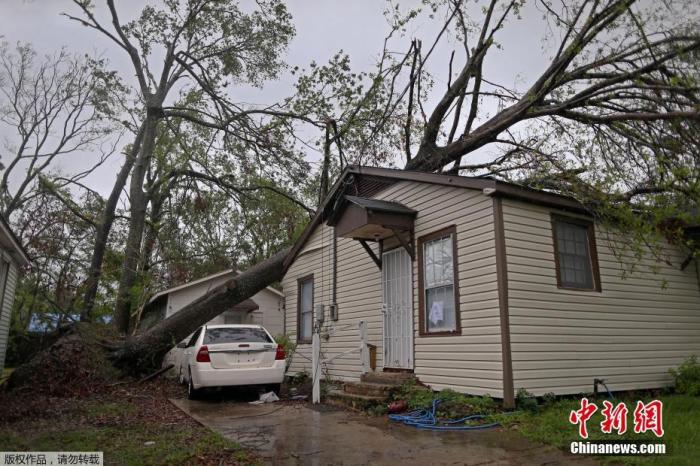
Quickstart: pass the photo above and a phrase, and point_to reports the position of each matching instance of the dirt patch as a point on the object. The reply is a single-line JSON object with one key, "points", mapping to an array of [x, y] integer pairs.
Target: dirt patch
{"points": [[75, 365], [131, 423]]}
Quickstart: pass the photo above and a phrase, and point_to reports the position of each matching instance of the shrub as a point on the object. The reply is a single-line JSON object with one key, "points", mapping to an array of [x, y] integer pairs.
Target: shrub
{"points": [[300, 378], [549, 398], [289, 347], [687, 377], [415, 395], [525, 400], [452, 404]]}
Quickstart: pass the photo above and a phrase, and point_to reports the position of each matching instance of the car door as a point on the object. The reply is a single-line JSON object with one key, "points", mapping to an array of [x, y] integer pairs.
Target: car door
{"points": [[188, 353]]}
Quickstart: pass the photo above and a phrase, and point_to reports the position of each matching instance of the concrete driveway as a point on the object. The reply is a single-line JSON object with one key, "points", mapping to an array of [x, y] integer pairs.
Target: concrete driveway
{"points": [[290, 434]]}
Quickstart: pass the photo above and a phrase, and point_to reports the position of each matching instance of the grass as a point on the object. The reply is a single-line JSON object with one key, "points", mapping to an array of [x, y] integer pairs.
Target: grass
{"points": [[6, 372], [126, 445], [548, 422], [681, 421], [123, 427]]}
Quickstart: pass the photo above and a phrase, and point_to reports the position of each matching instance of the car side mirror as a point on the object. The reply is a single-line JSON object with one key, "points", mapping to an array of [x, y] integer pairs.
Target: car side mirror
{"points": [[182, 344]]}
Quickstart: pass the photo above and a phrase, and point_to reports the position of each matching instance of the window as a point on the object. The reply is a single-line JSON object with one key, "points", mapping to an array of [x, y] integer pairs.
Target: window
{"points": [[575, 254], [194, 338], [4, 272], [235, 335], [439, 294], [305, 309]]}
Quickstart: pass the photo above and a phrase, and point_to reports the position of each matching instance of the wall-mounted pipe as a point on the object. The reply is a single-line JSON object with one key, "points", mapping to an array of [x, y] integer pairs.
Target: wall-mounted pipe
{"points": [[334, 273]]}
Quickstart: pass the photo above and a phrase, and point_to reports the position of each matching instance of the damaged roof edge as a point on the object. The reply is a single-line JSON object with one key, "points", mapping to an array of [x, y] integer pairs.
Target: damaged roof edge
{"points": [[500, 188]]}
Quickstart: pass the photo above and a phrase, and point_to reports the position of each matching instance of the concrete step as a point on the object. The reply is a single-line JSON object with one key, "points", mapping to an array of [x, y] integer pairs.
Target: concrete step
{"points": [[387, 378], [355, 401], [369, 389]]}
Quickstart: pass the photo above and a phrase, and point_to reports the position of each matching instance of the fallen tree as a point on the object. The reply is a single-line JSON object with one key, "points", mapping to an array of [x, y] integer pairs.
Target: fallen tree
{"points": [[145, 351]]}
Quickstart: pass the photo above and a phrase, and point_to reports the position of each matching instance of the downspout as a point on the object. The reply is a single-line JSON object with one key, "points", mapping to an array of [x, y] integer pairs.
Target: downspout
{"points": [[282, 307], [502, 279], [334, 276]]}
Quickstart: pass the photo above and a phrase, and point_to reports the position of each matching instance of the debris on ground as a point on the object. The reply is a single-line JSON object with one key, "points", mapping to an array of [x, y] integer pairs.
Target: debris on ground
{"points": [[269, 397]]}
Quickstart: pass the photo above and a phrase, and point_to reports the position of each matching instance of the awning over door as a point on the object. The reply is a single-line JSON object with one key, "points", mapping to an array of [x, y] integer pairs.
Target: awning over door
{"points": [[364, 220]]}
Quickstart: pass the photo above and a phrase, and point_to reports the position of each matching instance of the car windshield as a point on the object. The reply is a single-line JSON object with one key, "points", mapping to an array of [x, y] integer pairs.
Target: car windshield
{"points": [[236, 335]]}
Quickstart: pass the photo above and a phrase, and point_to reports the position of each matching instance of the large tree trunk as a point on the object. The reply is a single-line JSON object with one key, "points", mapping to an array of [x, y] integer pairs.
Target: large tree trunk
{"points": [[145, 351], [137, 202], [103, 230]]}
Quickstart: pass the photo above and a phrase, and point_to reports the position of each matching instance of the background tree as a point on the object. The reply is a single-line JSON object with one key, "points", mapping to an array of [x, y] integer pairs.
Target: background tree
{"points": [[51, 108], [206, 45]]}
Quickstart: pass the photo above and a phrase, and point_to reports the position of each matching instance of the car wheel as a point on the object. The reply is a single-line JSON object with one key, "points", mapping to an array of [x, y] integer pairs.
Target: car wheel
{"points": [[192, 393], [276, 388]]}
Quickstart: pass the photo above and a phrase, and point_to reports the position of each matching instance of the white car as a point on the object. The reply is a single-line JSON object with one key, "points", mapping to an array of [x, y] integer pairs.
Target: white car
{"points": [[231, 355]]}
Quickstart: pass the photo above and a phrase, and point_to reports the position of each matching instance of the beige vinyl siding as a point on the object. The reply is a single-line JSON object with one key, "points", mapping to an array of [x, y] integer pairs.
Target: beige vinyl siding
{"points": [[6, 310], [470, 362], [358, 295], [629, 334]]}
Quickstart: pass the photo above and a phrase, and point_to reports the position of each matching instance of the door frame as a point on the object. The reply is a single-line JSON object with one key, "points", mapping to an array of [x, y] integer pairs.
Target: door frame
{"points": [[410, 314]]}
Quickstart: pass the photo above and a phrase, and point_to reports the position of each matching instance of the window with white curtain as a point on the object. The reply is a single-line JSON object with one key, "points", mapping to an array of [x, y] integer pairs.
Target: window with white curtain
{"points": [[439, 284]]}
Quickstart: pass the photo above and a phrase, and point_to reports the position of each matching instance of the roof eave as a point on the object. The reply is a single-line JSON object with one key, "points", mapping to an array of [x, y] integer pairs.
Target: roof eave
{"points": [[499, 188], [19, 253]]}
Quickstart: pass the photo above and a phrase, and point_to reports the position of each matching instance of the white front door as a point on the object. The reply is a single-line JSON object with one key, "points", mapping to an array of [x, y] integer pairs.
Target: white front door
{"points": [[397, 307]]}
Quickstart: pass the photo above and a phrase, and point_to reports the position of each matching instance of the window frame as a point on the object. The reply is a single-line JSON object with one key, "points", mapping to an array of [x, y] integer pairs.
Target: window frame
{"points": [[5, 266], [592, 251], [300, 282], [422, 321]]}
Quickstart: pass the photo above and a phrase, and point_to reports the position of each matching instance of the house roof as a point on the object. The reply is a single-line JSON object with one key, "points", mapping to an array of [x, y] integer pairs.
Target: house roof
{"points": [[373, 179], [380, 206], [246, 306], [12, 243], [206, 279]]}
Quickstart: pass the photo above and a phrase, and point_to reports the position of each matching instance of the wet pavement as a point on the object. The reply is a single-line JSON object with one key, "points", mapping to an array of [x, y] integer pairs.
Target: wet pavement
{"points": [[290, 434]]}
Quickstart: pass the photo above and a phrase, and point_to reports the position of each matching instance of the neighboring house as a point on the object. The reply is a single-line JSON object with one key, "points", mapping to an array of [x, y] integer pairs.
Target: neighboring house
{"points": [[265, 308], [12, 259], [484, 287]]}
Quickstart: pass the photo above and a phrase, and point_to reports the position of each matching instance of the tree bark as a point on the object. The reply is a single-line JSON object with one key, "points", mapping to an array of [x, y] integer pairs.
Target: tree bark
{"points": [[325, 168], [145, 351], [103, 230], [137, 202]]}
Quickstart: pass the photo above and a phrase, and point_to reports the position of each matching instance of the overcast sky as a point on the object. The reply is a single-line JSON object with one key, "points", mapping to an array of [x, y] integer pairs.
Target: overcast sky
{"points": [[322, 28]]}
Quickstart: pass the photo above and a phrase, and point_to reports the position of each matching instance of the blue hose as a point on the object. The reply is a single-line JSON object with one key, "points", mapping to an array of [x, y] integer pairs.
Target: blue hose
{"points": [[426, 419]]}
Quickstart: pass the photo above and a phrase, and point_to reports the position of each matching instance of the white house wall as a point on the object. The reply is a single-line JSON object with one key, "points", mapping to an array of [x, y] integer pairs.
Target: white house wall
{"points": [[269, 315], [629, 334], [6, 309], [470, 362]]}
